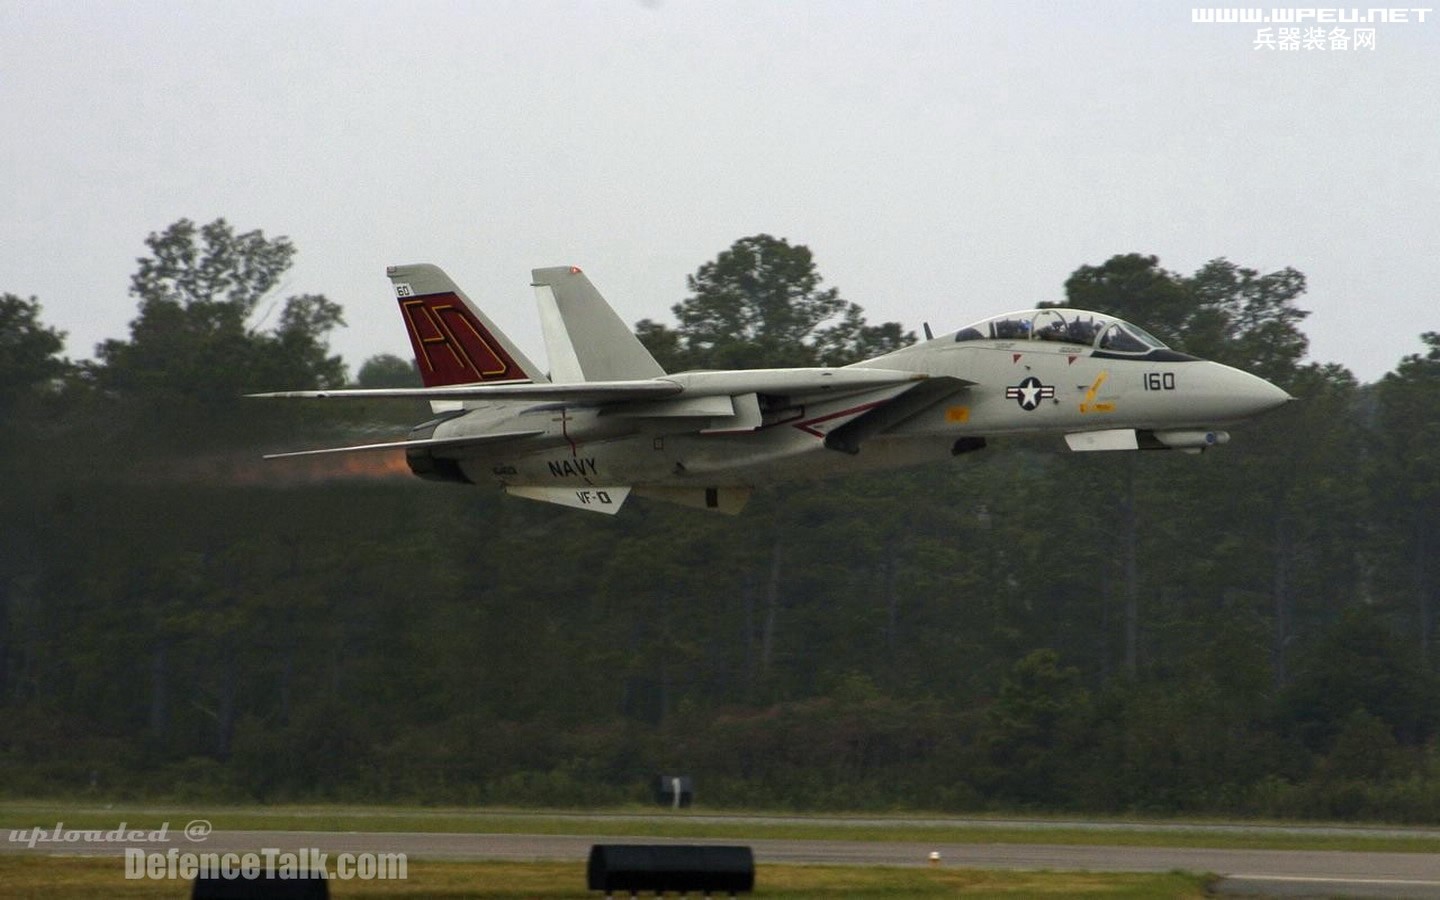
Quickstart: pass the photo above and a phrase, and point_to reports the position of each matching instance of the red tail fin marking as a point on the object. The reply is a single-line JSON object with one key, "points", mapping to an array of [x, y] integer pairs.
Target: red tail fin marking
{"points": [[451, 347]]}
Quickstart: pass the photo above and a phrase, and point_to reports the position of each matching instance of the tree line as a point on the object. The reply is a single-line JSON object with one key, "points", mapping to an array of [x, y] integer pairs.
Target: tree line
{"points": [[1251, 631]]}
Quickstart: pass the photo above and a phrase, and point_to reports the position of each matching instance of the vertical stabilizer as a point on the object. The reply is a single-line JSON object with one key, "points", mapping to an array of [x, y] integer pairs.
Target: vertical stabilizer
{"points": [[585, 339], [454, 342]]}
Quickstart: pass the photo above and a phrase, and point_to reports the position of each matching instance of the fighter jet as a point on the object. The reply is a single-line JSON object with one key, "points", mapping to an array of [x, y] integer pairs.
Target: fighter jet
{"points": [[607, 421]]}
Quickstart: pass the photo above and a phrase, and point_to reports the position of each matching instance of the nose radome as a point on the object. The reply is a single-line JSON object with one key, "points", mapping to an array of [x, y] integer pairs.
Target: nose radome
{"points": [[1248, 394]]}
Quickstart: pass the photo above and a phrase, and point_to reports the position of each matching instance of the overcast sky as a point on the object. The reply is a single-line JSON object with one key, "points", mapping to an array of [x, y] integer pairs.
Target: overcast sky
{"points": [[943, 161]]}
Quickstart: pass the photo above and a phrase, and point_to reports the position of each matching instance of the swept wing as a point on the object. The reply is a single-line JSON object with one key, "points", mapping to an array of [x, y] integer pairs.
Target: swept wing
{"points": [[592, 392]]}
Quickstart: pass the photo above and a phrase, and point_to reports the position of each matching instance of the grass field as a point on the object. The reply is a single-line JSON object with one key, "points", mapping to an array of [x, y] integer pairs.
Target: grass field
{"points": [[648, 823], [89, 877]]}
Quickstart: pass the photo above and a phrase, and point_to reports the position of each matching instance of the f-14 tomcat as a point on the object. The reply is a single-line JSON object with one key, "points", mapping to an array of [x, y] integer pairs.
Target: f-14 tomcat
{"points": [[607, 421]]}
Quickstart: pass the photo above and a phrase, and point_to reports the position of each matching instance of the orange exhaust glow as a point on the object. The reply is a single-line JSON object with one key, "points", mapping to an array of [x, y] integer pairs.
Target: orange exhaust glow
{"points": [[247, 469]]}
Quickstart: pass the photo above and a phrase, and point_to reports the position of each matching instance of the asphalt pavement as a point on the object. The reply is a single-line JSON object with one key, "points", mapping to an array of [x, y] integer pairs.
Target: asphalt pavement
{"points": [[1290, 873]]}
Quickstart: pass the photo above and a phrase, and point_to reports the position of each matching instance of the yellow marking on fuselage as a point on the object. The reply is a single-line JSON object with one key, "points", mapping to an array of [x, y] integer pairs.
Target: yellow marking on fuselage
{"points": [[957, 414], [1088, 405]]}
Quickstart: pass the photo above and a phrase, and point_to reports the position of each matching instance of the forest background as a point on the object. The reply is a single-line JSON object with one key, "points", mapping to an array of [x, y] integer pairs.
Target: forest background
{"points": [[1246, 632]]}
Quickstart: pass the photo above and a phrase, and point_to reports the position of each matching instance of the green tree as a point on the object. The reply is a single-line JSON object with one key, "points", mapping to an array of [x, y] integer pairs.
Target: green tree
{"points": [[1035, 728], [1359, 664], [1405, 484], [1246, 319], [1237, 316], [1301, 462], [760, 303], [198, 337], [30, 369], [1223, 312], [29, 351], [387, 371], [1134, 287]]}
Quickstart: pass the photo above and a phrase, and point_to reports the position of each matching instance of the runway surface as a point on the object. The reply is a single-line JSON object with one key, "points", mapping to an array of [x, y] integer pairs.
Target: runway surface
{"points": [[1308, 873]]}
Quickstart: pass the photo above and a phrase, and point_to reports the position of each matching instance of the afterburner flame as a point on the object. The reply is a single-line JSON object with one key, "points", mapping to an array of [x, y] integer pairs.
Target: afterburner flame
{"points": [[248, 469], [376, 464]]}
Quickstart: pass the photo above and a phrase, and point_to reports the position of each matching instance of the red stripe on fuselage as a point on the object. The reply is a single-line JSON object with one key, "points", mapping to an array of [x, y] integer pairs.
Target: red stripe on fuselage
{"points": [[805, 426]]}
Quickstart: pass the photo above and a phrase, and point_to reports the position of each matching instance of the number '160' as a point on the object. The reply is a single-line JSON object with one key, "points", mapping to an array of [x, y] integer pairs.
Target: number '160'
{"points": [[1159, 381]]}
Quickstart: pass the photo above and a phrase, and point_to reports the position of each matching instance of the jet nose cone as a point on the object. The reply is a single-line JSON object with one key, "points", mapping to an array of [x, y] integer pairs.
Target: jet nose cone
{"points": [[1249, 395], [1269, 395]]}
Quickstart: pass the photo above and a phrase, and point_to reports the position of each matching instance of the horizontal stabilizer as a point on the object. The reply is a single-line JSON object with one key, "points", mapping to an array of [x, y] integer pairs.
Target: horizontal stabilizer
{"points": [[430, 443], [607, 500]]}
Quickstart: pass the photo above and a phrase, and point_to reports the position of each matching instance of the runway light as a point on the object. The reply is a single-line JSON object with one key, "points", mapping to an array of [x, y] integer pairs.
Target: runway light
{"points": [[934, 857]]}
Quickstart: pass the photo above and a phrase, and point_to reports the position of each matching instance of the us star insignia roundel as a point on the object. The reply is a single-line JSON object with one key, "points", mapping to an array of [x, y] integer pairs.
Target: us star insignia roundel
{"points": [[1030, 392]]}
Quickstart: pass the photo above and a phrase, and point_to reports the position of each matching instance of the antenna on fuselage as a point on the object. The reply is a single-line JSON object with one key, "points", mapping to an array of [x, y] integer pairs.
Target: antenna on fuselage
{"points": [[929, 335]]}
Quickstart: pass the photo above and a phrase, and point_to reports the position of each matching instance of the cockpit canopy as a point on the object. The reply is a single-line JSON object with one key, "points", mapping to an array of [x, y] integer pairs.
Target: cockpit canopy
{"points": [[1063, 325]]}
